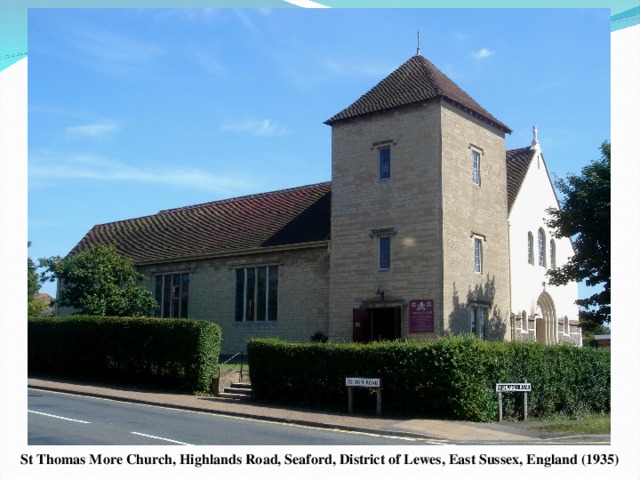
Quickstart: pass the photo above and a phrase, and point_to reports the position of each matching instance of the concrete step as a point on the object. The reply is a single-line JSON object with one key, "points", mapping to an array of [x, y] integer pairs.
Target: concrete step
{"points": [[238, 385], [237, 391]]}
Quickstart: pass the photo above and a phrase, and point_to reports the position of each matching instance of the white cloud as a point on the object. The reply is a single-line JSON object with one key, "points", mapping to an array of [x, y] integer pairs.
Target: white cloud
{"points": [[93, 167], [98, 130], [107, 46], [482, 53], [256, 128], [105, 51]]}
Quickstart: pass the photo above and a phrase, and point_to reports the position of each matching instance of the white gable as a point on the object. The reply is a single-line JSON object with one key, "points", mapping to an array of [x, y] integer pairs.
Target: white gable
{"points": [[528, 277]]}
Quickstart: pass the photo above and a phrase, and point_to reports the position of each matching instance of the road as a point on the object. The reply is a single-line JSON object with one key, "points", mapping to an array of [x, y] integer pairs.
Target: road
{"points": [[64, 419]]}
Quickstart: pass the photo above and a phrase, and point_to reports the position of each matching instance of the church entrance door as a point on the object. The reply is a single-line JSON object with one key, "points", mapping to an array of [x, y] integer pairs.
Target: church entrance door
{"points": [[376, 324]]}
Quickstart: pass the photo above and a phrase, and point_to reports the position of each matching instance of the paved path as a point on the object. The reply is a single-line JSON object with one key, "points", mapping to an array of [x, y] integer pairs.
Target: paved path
{"points": [[438, 430]]}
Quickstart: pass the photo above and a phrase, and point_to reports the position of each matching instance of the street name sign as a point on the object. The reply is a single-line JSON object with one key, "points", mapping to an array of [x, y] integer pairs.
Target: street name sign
{"points": [[363, 382], [513, 387]]}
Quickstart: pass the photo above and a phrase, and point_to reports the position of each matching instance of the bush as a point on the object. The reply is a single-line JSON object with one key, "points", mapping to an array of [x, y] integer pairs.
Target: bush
{"points": [[451, 377], [171, 353]]}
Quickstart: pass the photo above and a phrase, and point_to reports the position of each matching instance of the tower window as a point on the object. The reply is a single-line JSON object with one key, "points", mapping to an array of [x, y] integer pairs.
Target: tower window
{"points": [[384, 252], [384, 163], [475, 167], [477, 316], [477, 255]]}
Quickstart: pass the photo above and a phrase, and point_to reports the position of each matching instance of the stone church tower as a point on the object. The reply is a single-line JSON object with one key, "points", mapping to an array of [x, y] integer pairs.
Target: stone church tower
{"points": [[419, 230]]}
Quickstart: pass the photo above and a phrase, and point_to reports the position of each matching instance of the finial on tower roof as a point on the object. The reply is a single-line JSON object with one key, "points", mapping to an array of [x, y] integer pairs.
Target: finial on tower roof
{"points": [[418, 52]]}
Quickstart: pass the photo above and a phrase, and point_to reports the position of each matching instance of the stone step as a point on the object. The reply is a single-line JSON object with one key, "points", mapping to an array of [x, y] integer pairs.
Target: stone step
{"points": [[235, 396], [245, 386], [245, 391], [237, 391]]}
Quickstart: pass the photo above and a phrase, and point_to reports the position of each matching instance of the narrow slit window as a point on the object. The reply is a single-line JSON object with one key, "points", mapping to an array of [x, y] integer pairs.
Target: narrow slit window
{"points": [[384, 252], [384, 163], [477, 255], [475, 167], [542, 248]]}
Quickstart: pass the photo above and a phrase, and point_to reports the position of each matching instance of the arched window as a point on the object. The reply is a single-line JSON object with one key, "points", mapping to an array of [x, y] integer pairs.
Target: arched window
{"points": [[552, 253], [530, 248], [542, 248]]}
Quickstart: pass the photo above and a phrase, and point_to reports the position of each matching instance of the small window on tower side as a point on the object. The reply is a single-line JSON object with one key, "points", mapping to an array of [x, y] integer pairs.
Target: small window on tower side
{"points": [[475, 166], [384, 163], [384, 252]]}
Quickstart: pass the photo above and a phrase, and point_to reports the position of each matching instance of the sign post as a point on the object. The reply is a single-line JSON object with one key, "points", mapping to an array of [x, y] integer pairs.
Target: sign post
{"points": [[352, 382], [510, 388]]}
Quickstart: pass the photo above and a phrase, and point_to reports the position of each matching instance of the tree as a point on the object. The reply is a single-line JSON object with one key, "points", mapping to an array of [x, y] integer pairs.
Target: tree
{"points": [[100, 281], [33, 279], [585, 217], [35, 305]]}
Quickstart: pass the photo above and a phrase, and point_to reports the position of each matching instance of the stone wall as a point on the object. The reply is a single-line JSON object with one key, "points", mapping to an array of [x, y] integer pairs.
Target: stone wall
{"points": [[470, 212], [430, 208], [405, 206], [303, 294]]}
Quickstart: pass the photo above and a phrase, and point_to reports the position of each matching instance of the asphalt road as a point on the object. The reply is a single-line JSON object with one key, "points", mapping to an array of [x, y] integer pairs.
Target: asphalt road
{"points": [[64, 419]]}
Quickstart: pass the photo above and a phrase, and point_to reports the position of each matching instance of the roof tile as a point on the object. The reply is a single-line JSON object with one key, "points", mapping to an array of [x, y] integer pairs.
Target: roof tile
{"points": [[284, 217], [518, 162], [417, 80]]}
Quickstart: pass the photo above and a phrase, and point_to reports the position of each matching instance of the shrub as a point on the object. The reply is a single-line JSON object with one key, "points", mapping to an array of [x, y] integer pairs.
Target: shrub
{"points": [[451, 377], [173, 353]]}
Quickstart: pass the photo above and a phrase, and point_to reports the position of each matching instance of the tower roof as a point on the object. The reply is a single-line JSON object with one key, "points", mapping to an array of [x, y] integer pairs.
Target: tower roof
{"points": [[415, 81]]}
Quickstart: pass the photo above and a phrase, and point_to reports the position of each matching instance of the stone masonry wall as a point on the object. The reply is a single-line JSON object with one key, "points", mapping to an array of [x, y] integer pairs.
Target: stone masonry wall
{"points": [[303, 294], [474, 211], [407, 205]]}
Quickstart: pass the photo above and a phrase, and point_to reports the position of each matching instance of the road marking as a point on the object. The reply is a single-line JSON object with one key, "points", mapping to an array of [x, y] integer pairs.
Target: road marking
{"points": [[58, 417], [161, 438]]}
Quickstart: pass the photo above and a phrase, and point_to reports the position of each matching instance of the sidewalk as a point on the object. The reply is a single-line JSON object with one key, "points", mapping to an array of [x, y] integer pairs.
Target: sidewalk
{"points": [[435, 430]]}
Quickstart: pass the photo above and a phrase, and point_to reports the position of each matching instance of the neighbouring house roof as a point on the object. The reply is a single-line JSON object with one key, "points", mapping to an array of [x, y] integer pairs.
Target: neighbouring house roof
{"points": [[417, 80], [49, 300], [285, 217], [518, 162]]}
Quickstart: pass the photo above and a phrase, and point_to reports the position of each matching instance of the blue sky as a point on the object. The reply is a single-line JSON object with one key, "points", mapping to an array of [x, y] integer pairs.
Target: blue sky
{"points": [[137, 110]]}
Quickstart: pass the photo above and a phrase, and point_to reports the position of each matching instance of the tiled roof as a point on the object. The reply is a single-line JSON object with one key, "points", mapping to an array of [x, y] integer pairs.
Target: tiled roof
{"points": [[415, 81], [285, 217], [518, 162]]}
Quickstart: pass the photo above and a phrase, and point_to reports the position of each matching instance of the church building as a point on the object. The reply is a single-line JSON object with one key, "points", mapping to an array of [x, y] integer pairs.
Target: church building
{"points": [[428, 227]]}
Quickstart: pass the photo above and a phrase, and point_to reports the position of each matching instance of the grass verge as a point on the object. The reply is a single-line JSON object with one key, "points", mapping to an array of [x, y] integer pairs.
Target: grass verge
{"points": [[592, 424]]}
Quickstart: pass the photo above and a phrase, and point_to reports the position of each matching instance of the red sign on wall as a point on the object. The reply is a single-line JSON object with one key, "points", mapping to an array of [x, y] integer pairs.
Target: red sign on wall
{"points": [[421, 316]]}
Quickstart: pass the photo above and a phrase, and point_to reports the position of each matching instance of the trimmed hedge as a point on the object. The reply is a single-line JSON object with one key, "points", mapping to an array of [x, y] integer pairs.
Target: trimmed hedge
{"points": [[171, 353], [452, 377]]}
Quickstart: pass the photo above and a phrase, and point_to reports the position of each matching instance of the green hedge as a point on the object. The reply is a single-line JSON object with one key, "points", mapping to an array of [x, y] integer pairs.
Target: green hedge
{"points": [[171, 353], [451, 377]]}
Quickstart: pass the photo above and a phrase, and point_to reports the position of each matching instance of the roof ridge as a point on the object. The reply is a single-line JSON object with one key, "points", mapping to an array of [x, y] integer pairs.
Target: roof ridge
{"points": [[224, 201], [214, 202]]}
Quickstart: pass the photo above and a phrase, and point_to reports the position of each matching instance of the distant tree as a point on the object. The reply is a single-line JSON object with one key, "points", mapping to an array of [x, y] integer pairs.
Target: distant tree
{"points": [[32, 276], [35, 305], [589, 337], [585, 217], [100, 281]]}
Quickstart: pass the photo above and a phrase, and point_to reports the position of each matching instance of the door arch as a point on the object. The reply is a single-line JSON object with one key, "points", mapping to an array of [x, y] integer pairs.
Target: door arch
{"points": [[547, 324]]}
